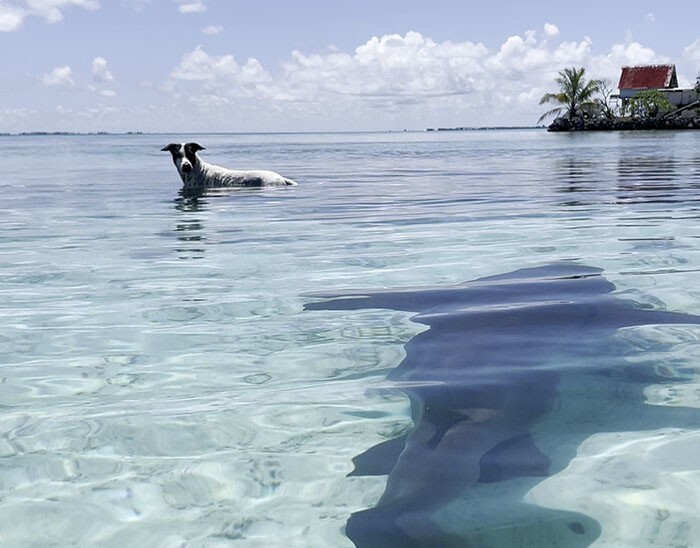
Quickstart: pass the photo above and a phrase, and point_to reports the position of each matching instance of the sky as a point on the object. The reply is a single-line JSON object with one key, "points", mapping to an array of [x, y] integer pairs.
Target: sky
{"points": [[190, 66]]}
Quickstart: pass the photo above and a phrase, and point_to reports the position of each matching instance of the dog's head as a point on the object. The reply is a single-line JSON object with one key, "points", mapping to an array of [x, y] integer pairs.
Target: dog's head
{"points": [[184, 156]]}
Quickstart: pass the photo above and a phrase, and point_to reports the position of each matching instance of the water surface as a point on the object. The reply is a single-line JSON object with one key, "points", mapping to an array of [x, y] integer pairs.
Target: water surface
{"points": [[162, 384]]}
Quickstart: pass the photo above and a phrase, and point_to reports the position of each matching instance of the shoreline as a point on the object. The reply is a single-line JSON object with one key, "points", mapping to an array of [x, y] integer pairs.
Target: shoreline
{"points": [[625, 124]]}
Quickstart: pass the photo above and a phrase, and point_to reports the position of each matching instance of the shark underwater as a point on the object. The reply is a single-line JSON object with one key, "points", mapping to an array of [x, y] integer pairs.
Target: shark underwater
{"points": [[480, 379]]}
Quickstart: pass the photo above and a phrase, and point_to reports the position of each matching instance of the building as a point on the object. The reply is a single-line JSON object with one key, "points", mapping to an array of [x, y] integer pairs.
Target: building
{"points": [[636, 79], [655, 77]]}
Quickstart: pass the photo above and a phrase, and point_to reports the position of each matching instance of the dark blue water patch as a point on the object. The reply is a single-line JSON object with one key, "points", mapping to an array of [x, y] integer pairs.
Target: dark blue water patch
{"points": [[487, 371]]}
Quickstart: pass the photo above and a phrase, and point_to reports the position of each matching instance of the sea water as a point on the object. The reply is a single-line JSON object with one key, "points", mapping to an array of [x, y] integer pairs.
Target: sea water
{"points": [[162, 385]]}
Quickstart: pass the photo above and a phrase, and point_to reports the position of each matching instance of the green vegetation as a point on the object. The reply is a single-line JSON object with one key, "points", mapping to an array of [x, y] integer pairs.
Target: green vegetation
{"points": [[650, 103], [575, 95]]}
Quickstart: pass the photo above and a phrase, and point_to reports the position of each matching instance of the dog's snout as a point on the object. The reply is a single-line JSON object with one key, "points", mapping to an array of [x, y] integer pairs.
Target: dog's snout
{"points": [[186, 167]]}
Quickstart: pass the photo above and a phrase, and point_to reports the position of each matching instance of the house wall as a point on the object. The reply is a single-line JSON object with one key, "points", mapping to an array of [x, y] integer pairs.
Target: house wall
{"points": [[628, 93], [680, 97], [677, 96]]}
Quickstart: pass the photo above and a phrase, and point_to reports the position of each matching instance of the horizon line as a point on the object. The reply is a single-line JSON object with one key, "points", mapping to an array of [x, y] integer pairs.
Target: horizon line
{"points": [[58, 133]]}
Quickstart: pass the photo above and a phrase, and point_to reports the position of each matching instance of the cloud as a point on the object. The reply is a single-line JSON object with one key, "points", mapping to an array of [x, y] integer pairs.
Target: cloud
{"points": [[410, 67], [13, 13], [17, 113], [550, 30], [634, 53], [211, 30], [102, 92], [403, 77], [100, 72], [10, 18], [60, 76], [573, 53], [101, 75], [218, 71], [692, 52], [192, 7]]}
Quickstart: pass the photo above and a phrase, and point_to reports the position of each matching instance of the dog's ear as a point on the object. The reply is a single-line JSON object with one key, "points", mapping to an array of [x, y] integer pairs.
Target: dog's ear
{"points": [[170, 148], [195, 147]]}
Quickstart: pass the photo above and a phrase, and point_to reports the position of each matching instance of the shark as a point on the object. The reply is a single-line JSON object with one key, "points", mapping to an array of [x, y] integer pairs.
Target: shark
{"points": [[487, 371]]}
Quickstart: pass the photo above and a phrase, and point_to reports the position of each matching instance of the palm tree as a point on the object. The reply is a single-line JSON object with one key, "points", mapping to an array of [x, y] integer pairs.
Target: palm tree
{"points": [[574, 94]]}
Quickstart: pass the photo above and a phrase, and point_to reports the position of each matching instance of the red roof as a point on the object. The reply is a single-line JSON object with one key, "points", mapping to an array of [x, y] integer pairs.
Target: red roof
{"points": [[648, 77]]}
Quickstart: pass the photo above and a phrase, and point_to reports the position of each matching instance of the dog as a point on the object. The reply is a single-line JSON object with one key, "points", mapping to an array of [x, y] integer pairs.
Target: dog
{"points": [[198, 174]]}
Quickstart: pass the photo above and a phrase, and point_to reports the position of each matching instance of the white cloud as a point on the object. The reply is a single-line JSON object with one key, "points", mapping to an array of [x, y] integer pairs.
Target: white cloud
{"points": [[550, 30], [10, 18], [101, 76], [60, 76], [198, 65], [634, 53], [192, 7], [17, 113], [576, 53], [692, 52], [13, 13], [402, 77], [211, 30], [408, 67], [100, 72], [103, 92]]}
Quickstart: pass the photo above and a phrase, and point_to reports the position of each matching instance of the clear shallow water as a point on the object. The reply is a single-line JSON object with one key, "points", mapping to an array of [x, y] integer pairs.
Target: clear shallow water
{"points": [[162, 385]]}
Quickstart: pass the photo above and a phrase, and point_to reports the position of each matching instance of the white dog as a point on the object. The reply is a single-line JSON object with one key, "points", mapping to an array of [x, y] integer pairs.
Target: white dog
{"points": [[196, 173]]}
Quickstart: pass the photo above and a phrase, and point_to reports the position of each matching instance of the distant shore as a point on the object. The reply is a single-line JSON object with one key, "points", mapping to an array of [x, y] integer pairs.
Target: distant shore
{"points": [[481, 128], [94, 133], [49, 133]]}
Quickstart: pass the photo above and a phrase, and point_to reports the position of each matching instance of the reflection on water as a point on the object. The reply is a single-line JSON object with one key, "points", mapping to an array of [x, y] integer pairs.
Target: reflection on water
{"points": [[639, 180], [577, 176], [650, 180], [190, 230]]}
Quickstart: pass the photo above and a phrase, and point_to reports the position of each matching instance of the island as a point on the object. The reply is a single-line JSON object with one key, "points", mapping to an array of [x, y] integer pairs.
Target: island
{"points": [[648, 98]]}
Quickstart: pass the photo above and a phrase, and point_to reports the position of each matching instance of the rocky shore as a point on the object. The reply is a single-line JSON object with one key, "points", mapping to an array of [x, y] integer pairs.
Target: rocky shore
{"points": [[624, 123]]}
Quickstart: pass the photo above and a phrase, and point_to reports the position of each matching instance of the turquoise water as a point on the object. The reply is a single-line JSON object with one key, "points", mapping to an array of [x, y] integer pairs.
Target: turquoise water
{"points": [[162, 385]]}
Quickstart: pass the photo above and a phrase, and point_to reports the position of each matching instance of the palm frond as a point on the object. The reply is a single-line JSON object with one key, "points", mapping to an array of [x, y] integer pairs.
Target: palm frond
{"points": [[554, 112], [575, 93], [560, 98]]}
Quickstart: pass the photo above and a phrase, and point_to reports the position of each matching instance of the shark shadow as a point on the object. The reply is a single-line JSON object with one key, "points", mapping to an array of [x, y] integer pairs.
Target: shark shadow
{"points": [[479, 379]]}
